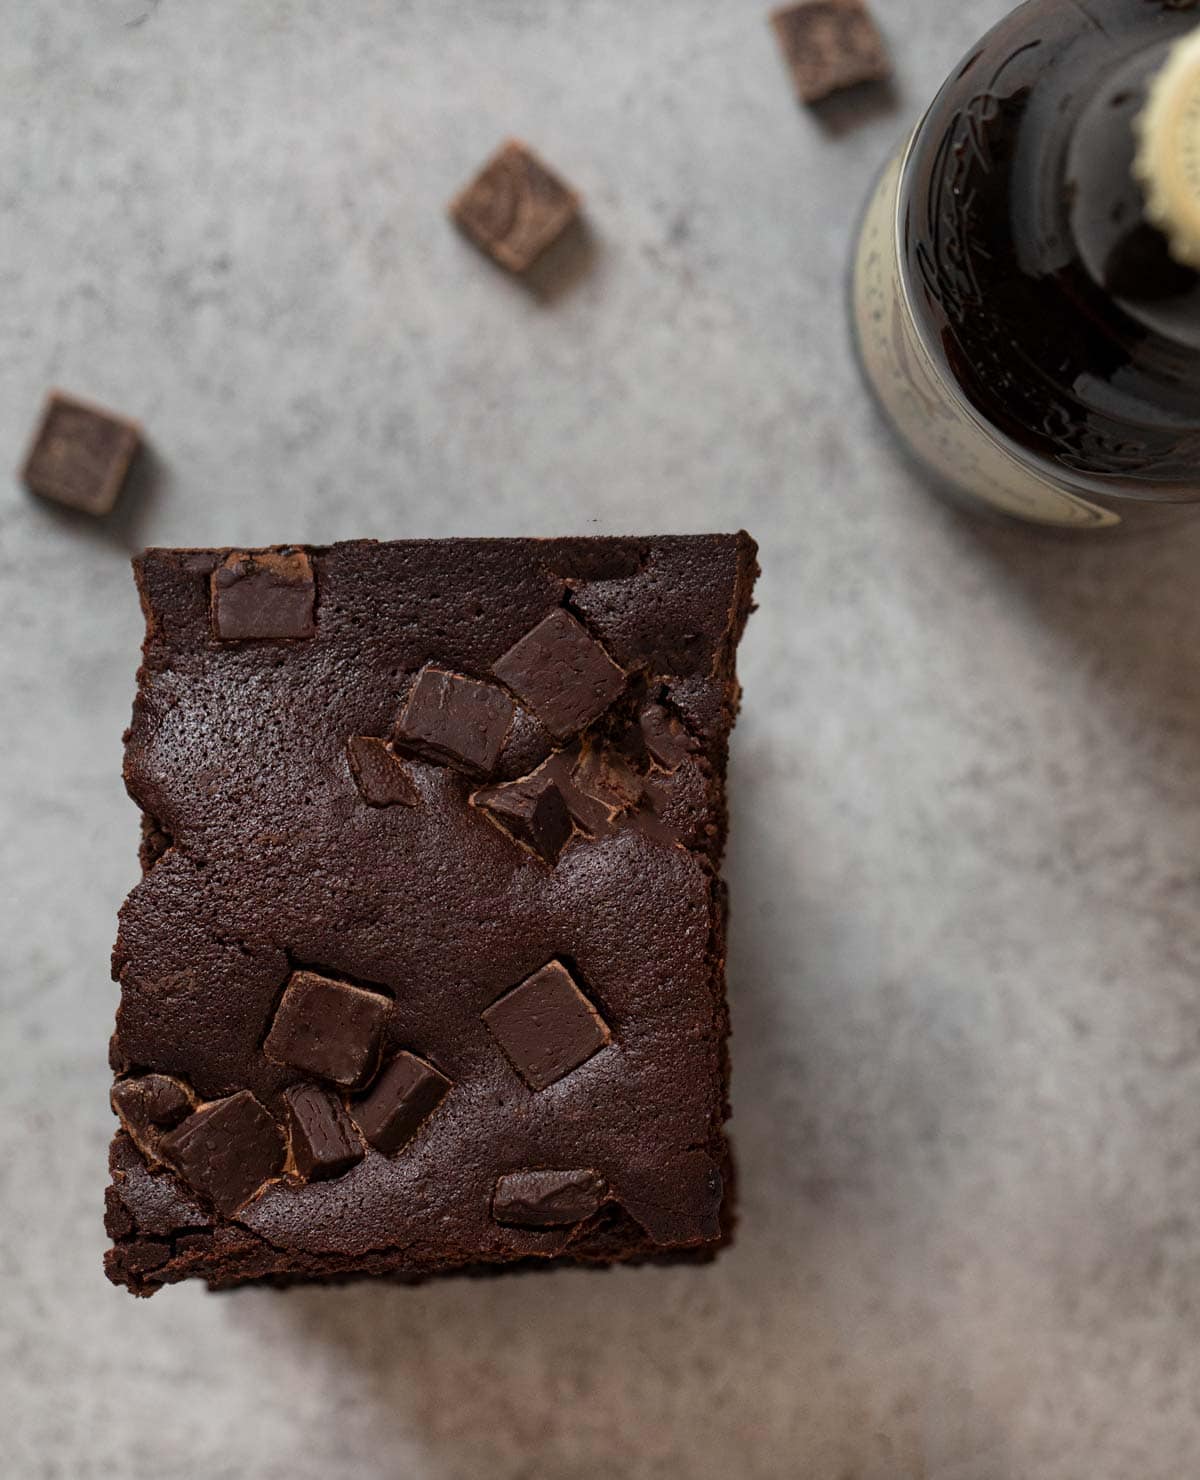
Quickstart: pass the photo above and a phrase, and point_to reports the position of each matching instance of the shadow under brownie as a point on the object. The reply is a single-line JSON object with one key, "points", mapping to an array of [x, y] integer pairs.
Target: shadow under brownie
{"points": [[426, 970]]}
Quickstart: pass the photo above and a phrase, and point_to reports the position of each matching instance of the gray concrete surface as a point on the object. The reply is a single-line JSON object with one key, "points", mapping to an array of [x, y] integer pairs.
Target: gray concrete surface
{"points": [[966, 850]]}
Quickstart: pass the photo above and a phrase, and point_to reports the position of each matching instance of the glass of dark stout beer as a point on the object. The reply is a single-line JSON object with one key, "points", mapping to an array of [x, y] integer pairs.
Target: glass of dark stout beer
{"points": [[1027, 286]]}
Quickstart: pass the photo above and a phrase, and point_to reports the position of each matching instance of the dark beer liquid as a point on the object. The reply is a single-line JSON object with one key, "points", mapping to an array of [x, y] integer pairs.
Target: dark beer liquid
{"points": [[1034, 280]]}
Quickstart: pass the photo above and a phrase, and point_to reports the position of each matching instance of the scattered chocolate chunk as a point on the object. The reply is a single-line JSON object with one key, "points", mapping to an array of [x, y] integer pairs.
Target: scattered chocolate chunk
{"points": [[532, 811], [605, 777], [323, 1139], [407, 1092], [226, 1150], [830, 45], [264, 594], [379, 773], [595, 783], [81, 455], [455, 721], [515, 207], [546, 1026], [667, 741], [148, 1106], [589, 814], [546, 1199], [328, 1028], [562, 673]]}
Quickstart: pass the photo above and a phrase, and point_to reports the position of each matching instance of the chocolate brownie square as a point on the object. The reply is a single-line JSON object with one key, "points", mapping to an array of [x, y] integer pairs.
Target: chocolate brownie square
{"points": [[425, 972]]}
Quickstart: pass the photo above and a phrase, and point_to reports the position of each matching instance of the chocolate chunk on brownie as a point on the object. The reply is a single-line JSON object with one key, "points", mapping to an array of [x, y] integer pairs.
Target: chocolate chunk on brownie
{"points": [[80, 455], [532, 810], [515, 207], [546, 1026], [226, 1151], [407, 1092], [455, 721], [447, 1000], [322, 1136], [264, 594], [664, 737], [379, 773], [148, 1107], [830, 45], [546, 1199], [562, 673], [328, 1028]]}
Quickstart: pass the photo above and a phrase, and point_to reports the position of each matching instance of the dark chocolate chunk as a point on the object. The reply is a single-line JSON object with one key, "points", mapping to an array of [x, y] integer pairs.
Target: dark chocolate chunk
{"points": [[590, 814], [605, 778], [532, 811], [596, 784], [667, 741], [328, 1028], [830, 45], [379, 774], [406, 1093], [323, 1139], [547, 1199], [455, 721], [148, 1106], [515, 207], [81, 455], [546, 1026], [677, 810], [226, 1150], [264, 594], [562, 673]]}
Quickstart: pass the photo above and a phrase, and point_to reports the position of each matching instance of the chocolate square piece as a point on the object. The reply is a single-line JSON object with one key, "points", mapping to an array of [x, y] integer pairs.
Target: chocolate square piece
{"points": [[328, 1028], [562, 673], [406, 1093], [363, 985], [455, 721], [226, 1151], [81, 455], [830, 45], [667, 742], [379, 774], [323, 1139], [515, 207], [532, 811], [546, 1199], [264, 594], [149, 1106], [546, 1026]]}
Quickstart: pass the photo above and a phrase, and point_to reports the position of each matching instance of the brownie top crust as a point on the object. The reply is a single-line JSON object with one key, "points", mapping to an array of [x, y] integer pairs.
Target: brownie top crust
{"points": [[330, 800]]}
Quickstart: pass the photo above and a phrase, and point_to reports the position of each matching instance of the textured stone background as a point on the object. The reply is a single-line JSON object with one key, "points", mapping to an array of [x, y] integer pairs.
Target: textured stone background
{"points": [[967, 783]]}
